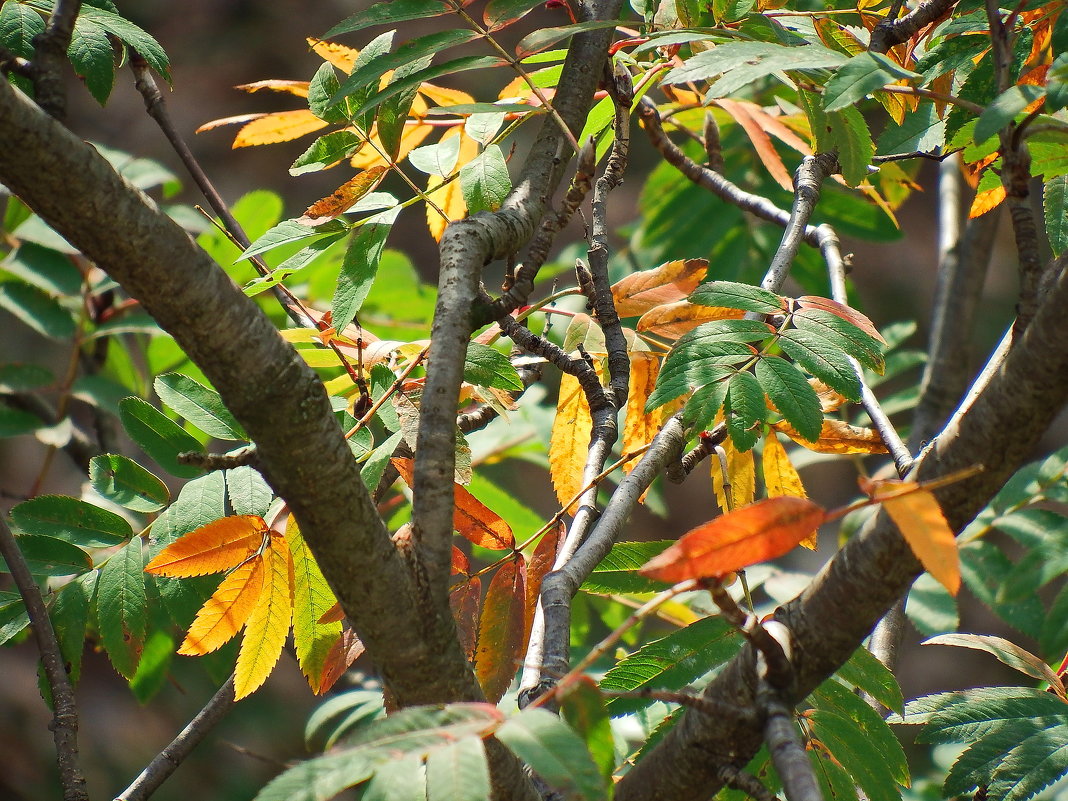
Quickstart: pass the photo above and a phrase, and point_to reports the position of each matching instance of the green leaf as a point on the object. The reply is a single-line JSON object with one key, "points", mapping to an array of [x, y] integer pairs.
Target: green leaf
{"points": [[289, 231], [841, 333], [922, 131], [336, 716], [731, 10], [321, 778], [71, 520], [741, 63], [862, 758], [930, 607], [849, 135], [1006, 652], [502, 13], [397, 780], [247, 492], [792, 395], [132, 35], [36, 309], [483, 127], [703, 406], [389, 12], [546, 37], [866, 672], [199, 405], [554, 752], [458, 772], [438, 158], [834, 697], [14, 422], [122, 607], [322, 87], [671, 662], [93, 58], [394, 113], [24, 377], [410, 82], [302, 258], [744, 409], [487, 367], [484, 181], [824, 361], [731, 295], [325, 151], [126, 483], [47, 556], [154, 667], [707, 364], [45, 268], [358, 271], [965, 715], [1004, 109], [13, 616], [983, 566], [69, 614], [18, 25], [618, 571], [1057, 83], [159, 436], [411, 50], [1015, 762], [1055, 207], [583, 707], [859, 77]]}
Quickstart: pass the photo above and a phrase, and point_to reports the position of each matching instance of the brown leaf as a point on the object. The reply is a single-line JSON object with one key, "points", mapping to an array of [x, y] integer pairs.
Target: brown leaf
{"points": [[755, 533], [638, 292], [463, 600], [672, 320], [342, 198], [837, 437], [344, 652], [500, 629]]}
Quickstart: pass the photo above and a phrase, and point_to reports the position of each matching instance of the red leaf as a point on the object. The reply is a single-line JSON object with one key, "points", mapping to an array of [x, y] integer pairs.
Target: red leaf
{"points": [[346, 650], [761, 142], [500, 629], [463, 600], [541, 562], [460, 563], [755, 533]]}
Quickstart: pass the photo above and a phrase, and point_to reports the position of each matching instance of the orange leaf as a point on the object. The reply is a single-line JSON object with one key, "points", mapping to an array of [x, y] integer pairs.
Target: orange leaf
{"points": [[761, 142], [847, 313], [986, 201], [541, 562], [342, 198], [346, 650], [776, 127], [921, 522], [444, 96], [781, 478], [638, 292], [460, 564], [213, 548], [463, 600], [333, 614], [639, 427], [449, 198], [340, 56], [219, 123], [741, 475], [226, 611], [569, 440], [672, 320], [752, 534], [268, 625], [473, 520], [500, 629], [298, 88], [280, 126], [837, 437], [371, 155]]}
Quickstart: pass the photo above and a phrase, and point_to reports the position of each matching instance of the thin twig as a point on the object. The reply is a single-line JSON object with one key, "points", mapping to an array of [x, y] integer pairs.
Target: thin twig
{"points": [[64, 723], [220, 461], [787, 752], [705, 447], [50, 55], [168, 760]]}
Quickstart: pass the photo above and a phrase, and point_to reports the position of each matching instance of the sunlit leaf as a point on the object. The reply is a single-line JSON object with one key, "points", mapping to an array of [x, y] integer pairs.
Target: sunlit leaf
{"points": [[741, 477], [484, 181], [449, 198], [48, 556], [920, 520], [312, 599], [583, 707], [122, 607], [343, 198], [199, 405], [570, 439], [226, 611], [1006, 652], [125, 482], [541, 562], [458, 772], [640, 292], [72, 520], [781, 478], [792, 395], [837, 437], [159, 436], [672, 320], [639, 428], [500, 629], [746, 536], [268, 625], [270, 129], [218, 546], [732, 295]]}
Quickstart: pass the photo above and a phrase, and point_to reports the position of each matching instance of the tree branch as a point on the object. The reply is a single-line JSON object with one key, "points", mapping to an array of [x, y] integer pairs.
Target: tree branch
{"points": [[49, 56], [892, 31], [999, 427], [168, 760], [64, 723]]}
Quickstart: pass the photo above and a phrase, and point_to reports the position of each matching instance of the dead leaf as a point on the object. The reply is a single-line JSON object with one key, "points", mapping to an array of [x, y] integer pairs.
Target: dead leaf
{"points": [[500, 629], [837, 437], [672, 320], [639, 292], [342, 198]]}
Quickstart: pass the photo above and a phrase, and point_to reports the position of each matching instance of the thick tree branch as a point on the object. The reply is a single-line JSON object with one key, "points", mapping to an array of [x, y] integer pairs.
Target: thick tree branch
{"points": [[892, 31], [50, 55], [64, 723], [999, 429]]}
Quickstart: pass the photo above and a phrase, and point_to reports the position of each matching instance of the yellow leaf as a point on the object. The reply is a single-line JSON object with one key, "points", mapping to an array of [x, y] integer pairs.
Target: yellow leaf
{"points": [[298, 88], [312, 600], [570, 439], [672, 320], [281, 126], [449, 198], [837, 437], [781, 478], [371, 155], [639, 427], [444, 96], [268, 625], [340, 56], [213, 548], [342, 198], [226, 611], [742, 474], [924, 527], [986, 201]]}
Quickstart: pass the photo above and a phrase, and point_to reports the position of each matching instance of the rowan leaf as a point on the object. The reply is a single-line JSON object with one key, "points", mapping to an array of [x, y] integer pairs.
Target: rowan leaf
{"points": [[672, 320], [484, 181], [755, 533], [213, 548], [159, 436], [363, 254], [122, 607], [545, 38], [781, 478], [640, 292], [1055, 208], [541, 563], [226, 611], [704, 406], [760, 140], [823, 360], [500, 629], [744, 409], [199, 405], [448, 197], [458, 772], [859, 77], [1008, 653], [502, 13], [326, 151], [72, 520], [343, 198], [843, 334], [640, 427], [741, 476], [569, 440], [268, 625], [347, 648], [270, 129], [48, 556], [920, 520], [487, 367], [126, 483], [463, 600], [792, 395], [837, 437], [584, 709], [388, 13], [846, 313], [312, 599]]}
